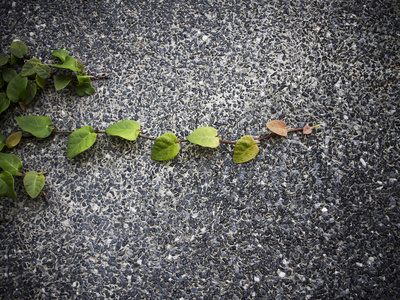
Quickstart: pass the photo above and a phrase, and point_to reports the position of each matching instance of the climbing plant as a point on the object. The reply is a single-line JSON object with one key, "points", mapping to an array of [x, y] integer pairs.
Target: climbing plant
{"points": [[21, 88]]}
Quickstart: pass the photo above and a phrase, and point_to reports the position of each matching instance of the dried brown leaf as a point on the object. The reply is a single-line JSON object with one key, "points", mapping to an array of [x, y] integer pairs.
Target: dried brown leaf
{"points": [[278, 127], [307, 129]]}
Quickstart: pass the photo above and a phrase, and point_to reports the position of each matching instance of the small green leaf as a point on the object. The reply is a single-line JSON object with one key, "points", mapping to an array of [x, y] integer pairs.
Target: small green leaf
{"points": [[7, 185], [61, 81], [41, 82], [14, 139], [165, 147], [127, 129], [18, 49], [34, 183], [31, 90], [16, 89], [69, 63], [80, 140], [3, 139], [11, 163], [8, 74], [3, 60], [245, 149], [4, 102], [38, 126], [204, 136], [61, 54]]}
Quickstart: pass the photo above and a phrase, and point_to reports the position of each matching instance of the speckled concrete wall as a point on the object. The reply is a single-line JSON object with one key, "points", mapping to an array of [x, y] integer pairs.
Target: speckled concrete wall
{"points": [[311, 217]]}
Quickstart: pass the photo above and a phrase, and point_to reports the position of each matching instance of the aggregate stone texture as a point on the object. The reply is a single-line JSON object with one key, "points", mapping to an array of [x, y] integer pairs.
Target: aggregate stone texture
{"points": [[311, 217]]}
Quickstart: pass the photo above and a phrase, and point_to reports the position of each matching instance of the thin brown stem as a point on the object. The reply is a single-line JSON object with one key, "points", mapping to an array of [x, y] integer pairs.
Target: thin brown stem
{"points": [[146, 137], [226, 142]]}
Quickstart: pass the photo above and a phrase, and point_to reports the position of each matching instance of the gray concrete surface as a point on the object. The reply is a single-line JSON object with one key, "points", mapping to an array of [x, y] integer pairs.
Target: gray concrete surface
{"points": [[311, 217]]}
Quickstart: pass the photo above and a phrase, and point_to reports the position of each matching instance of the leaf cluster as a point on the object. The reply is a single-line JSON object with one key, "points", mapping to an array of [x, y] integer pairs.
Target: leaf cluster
{"points": [[20, 84]]}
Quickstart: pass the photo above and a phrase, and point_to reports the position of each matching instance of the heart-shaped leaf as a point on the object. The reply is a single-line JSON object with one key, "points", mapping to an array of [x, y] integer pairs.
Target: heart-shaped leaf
{"points": [[307, 130], [245, 149], [14, 139], [69, 63], [16, 89], [11, 163], [165, 147], [80, 140], [127, 129], [61, 81], [4, 102], [18, 49], [278, 127], [61, 54], [3, 139], [34, 183], [38, 126], [7, 185], [204, 136]]}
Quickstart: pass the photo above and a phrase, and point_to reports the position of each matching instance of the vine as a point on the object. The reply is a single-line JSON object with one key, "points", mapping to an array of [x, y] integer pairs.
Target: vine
{"points": [[21, 88]]}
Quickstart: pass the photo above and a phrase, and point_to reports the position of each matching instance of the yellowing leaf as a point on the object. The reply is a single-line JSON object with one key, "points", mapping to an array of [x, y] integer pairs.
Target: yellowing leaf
{"points": [[245, 149], [278, 127], [14, 139]]}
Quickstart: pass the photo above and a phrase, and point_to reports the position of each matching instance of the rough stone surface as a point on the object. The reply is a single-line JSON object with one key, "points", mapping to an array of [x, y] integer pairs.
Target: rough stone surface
{"points": [[311, 217]]}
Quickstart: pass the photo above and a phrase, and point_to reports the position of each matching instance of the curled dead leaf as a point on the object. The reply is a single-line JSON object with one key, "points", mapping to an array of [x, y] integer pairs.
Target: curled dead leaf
{"points": [[278, 127], [307, 129]]}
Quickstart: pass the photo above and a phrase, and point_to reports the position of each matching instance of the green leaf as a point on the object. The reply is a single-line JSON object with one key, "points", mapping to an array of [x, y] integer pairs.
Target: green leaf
{"points": [[16, 89], [38, 126], [3, 139], [18, 49], [7, 185], [165, 147], [80, 140], [35, 66], [84, 89], [11, 163], [43, 71], [83, 79], [14, 59], [61, 54], [245, 149], [204, 136], [2, 82], [29, 67], [31, 90], [4, 102], [127, 129], [61, 81], [41, 82], [14, 139], [69, 63], [3, 60], [8, 74], [33, 183]]}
